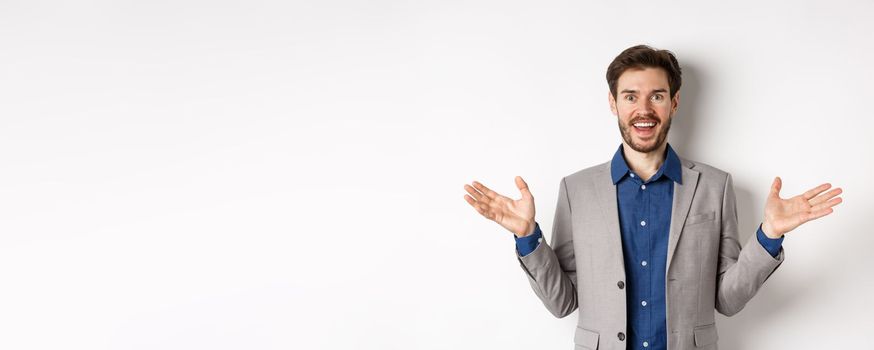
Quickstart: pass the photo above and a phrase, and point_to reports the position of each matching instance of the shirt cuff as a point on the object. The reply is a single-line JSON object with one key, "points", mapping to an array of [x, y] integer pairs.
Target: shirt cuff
{"points": [[527, 244], [772, 245]]}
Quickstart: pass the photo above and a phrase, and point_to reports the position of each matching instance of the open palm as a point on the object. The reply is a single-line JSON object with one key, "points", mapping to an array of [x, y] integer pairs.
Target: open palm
{"points": [[784, 215], [514, 215]]}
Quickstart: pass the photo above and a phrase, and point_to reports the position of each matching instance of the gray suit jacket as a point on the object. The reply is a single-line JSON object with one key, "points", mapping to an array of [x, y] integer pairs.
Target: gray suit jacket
{"points": [[706, 269]]}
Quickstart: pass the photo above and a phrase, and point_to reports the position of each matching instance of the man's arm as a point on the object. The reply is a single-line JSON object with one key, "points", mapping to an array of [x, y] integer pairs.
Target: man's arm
{"points": [[551, 269], [741, 272]]}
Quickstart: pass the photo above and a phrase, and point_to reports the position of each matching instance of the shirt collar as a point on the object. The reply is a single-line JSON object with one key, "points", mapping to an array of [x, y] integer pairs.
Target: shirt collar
{"points": [[670, 168]]}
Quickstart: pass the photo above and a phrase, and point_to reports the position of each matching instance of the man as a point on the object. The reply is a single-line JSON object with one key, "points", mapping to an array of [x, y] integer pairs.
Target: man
{"points": [[646, 245]]}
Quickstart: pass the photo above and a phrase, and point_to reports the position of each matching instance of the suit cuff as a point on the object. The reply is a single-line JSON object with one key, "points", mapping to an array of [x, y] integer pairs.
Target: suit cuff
{"points": [[770, 244], [527, 244]]}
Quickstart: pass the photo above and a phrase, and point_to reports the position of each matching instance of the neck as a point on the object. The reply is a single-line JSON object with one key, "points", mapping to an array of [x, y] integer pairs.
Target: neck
{"points": [[643, 164]]}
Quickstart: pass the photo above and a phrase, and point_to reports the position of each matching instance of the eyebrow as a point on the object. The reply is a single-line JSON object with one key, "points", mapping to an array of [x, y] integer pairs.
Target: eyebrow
{"points": [[627, 91]]}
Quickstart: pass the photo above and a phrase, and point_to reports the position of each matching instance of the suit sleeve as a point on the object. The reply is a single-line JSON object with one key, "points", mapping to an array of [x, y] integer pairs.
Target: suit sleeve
{"points": [[741, 272], [550, 268]]}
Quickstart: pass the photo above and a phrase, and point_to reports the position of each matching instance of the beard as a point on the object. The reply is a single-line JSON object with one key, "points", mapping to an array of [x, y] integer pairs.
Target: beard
{"points": [[660, 137]]}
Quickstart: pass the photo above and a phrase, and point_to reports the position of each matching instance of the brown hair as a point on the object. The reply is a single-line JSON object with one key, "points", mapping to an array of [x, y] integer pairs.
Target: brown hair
{"points": [[640, 57]]}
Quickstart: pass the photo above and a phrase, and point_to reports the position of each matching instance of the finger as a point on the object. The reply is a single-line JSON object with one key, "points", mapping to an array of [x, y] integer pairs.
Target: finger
{"points": [[776, 186], [817, 214], [474, 193], [485, 211], [470, 200], [826, 196], [522, 186], [828, 204], [815, 191], [479, 206], [485, 190]]}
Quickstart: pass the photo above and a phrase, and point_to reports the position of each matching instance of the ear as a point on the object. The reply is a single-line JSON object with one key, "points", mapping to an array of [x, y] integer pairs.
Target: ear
{"points": [[675, 102], [612, 103]]}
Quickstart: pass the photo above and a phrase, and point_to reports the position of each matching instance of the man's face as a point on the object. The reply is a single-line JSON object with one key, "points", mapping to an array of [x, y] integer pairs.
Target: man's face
{"points": [[644, 108]]}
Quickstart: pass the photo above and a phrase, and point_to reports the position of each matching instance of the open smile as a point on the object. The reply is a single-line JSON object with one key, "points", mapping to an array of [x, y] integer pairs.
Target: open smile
{"points": [[644, 128]]}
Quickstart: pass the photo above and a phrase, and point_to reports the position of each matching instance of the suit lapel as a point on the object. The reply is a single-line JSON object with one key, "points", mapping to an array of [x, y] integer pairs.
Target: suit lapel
{"points": [[610, 209], [682, 201]]}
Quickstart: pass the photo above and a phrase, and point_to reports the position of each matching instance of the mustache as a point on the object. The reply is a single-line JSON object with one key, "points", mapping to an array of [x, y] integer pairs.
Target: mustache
{"points": [[644, 119]]}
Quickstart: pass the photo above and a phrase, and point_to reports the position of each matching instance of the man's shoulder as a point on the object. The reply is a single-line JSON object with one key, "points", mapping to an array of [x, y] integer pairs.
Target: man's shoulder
{"points": [[706, 170], [587, 174]]}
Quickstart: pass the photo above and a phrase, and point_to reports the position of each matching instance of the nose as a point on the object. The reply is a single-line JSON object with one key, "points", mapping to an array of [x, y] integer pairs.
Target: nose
{"points": [[646, 109]]}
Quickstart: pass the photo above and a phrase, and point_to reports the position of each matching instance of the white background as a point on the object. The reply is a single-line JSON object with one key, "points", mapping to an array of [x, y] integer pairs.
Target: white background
{"points": [[288, 175]]}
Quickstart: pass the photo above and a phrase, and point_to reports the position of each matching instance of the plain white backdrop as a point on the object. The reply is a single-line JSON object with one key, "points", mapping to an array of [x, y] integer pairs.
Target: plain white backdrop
{"points": [[288, 175]]}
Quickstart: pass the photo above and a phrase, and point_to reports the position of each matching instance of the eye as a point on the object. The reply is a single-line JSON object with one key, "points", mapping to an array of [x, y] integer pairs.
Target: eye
{"points": [[657, 97], [629, 98]]}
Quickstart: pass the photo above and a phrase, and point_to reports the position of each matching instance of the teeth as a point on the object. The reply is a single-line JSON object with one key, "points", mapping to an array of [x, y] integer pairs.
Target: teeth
{"points": [[644, 125]]}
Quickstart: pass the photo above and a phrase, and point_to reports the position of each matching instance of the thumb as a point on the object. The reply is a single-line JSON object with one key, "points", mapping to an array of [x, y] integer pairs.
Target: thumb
{"points": [[775, 187], [523, 187]]}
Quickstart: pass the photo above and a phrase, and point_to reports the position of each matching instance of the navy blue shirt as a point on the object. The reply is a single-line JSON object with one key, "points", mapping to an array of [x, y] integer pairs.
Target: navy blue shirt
{"points": [[644, 222]]}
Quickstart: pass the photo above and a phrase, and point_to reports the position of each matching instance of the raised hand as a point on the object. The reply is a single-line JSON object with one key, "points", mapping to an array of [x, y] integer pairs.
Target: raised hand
{"points": [[514, 215], [784, 215]]}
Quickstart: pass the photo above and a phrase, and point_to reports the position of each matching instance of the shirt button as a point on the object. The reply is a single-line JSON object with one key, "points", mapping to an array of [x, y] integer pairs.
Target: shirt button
{"points": [[642, 187], [632, 174], [643, 263], [643, 303], [643, 223], [645, 344], [621, 336], [620, 284]]}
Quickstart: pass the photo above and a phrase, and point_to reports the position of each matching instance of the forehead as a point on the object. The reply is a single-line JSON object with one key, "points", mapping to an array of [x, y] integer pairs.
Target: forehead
{"points": [[645, 79]]}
